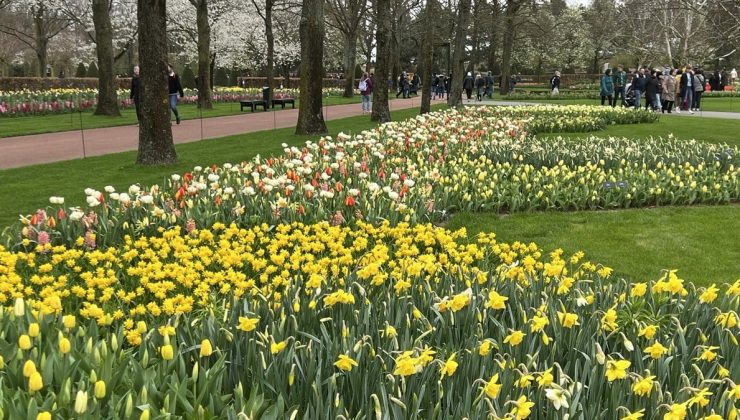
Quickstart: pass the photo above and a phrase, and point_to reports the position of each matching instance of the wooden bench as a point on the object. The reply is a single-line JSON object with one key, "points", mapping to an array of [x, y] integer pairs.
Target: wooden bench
{"points": [[253, 104], [283, 102]]}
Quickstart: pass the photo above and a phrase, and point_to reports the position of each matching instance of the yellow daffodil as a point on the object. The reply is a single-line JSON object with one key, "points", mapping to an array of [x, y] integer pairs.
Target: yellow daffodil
{"points": [[345, 363], [644, 386], [449, 367], [492, 387], [276, 348], [248, 324], [656, 351], [522, 408], [515, 338], [617, 369], [637, 415], [205, 348]]}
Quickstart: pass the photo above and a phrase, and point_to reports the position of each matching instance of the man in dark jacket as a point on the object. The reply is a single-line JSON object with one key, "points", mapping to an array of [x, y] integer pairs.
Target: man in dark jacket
{"points": [[620, 81], [135, 92], [639, 83], [468, 85], [687, 87]]}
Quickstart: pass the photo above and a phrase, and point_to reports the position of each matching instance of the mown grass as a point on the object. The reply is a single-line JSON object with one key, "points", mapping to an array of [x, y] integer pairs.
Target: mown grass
{"points": [[21, 126], [701, 242], [26, 189]]}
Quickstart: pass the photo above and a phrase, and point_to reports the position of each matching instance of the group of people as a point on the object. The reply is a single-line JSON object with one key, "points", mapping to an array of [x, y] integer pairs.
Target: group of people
{"points": [[408, 84], [662, 88], [174, 89], [483, 86]]}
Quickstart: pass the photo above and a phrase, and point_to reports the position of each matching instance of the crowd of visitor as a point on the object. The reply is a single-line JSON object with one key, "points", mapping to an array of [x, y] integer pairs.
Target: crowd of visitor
{"points": [[664, 90]]}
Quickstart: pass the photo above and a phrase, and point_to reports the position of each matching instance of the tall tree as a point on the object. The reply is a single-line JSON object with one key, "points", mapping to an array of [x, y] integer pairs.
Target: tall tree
{"points": [[39, 23], [510, 16], [381, 111], [156, 146], [204, 53], [311, 30], [107, 87], [347, 16], [427, 56], [458, 56], [265, 14]]}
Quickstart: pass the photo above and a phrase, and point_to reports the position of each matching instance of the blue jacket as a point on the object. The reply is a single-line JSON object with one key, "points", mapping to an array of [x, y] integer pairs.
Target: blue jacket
{"points": [[607, 86]]}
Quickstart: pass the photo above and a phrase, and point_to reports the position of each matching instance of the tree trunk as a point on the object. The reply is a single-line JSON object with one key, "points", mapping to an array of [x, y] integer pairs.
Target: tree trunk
{"points": [[270, 38], [311, 30], [493, 37], [512, 7], [350, 61], [427, 58], [369, 44], [203, 80], [212, 67], [458, 57], [107, 89], [42, 42], [156, 146], [381, 111]]}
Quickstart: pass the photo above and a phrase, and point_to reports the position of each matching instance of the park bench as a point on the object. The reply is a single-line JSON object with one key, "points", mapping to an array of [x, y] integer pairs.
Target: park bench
{"points": [[253, 104], [283, 102]]}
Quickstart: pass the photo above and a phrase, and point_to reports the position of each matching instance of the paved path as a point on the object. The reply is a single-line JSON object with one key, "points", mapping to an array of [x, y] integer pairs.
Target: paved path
{"points": [[53, 147], [708, 114]]}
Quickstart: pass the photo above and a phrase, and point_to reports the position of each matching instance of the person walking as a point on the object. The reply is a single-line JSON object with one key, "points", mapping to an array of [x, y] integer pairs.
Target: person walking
{"points": [[366, 89], [555, 84], [468, 85], [687, 88], [638, 85], [698, 89], [668, 83], [607, 88], [174, 89], [620, 81], [480, 86], [134, 95]]}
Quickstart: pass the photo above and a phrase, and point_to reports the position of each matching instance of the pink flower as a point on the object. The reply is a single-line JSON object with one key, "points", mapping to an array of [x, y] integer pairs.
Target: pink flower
{"points": [[43, 238]]}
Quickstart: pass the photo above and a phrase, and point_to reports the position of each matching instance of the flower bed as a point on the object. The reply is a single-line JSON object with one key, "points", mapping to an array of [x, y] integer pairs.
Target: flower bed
{"points": [[56, 101], [302, 286], [322, 321], [415, 171]]}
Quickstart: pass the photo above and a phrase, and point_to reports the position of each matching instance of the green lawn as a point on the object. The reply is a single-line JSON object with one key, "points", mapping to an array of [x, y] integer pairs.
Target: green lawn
{"points": [[26, 189], [701, 242], [19, 126], [713, 130]]}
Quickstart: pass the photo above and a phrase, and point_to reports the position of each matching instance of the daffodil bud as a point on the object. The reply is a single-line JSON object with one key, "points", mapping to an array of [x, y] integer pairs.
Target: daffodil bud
{"points": [[103, 349], [166, 404], [144, 414], [100, 390], [144, 396], [81, 402], [19, 309], [89, 346], [600, 356], [145, 358], [96, 356], [66, 391], [93, 376], [34, 330], [114, 342], [129, 407], [194, 375]]}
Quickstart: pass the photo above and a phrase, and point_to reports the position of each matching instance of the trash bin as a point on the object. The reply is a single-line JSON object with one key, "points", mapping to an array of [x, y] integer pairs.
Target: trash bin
{"points": [[266, 95]]}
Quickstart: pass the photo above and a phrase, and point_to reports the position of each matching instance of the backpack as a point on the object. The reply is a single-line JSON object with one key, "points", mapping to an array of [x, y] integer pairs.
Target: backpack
{"points": [[363, 85]]}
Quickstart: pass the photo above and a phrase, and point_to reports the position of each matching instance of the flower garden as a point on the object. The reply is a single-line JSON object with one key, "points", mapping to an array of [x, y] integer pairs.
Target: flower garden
{"points": [[320, 283]]}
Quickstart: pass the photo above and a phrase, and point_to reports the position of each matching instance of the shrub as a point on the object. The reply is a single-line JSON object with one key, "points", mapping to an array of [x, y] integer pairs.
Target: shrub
{"points": [[222, 78], [92, 70], [188, 78], [81, 70]]}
